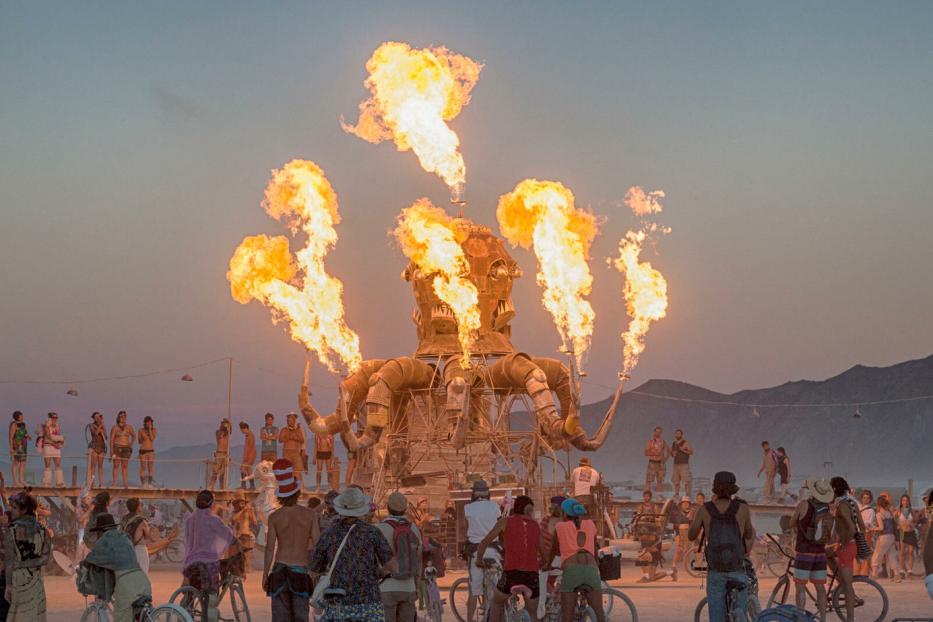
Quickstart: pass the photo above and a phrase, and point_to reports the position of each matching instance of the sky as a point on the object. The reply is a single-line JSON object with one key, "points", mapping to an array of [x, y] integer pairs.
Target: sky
{"points": [[794, 142]]}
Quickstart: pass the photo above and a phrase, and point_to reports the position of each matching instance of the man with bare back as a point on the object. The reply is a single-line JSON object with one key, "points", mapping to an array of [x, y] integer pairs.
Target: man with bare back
{"points": [[122, 438], [293, 531]]}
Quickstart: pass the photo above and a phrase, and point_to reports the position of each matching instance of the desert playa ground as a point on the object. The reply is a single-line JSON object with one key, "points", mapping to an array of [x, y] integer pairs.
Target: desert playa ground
{"points": [[658, 602]]}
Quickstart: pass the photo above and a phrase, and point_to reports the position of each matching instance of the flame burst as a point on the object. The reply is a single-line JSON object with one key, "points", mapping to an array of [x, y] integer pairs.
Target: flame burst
{"points": [[414, 94], [645, 289], [298, 289], [541, 214], [431, 240]]}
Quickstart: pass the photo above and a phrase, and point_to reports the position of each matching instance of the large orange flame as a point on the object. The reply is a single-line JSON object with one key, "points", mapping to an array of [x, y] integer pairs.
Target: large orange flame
{"points": [[414, 94], [298, 289], [541, 214], [431, 240], [645, 289]]}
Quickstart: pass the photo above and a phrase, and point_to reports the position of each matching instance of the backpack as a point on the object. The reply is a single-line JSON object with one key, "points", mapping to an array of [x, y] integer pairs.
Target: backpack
{"points": [[822, 523], [405, 544], [785, 613], [725, 548]]}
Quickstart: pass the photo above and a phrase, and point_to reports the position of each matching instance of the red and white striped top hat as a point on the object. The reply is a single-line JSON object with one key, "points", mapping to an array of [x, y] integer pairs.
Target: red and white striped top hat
{"points": [[285, 478]]}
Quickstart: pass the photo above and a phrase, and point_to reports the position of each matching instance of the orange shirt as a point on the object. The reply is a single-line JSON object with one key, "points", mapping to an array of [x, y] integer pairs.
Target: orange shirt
{"points": [[567, 538]]}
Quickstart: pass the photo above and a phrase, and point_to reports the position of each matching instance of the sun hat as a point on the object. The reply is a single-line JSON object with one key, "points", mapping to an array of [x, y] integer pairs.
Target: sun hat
{"points": [[820, 489], [284, 473], [352, 502], [572, 507], [103, 523], [397, 502]]}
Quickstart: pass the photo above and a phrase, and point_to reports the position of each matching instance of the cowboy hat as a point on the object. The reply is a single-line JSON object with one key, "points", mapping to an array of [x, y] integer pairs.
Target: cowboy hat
{"points": [[352, 502], [820, 489]]}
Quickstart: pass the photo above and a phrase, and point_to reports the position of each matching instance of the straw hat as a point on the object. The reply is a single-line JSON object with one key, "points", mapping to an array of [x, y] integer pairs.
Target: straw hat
{"points": [[820, 489]]}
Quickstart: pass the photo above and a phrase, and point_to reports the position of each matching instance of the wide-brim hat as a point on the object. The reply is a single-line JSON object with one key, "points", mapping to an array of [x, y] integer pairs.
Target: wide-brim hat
{"points": [[104, 522], [820, 489], [352, 502]]}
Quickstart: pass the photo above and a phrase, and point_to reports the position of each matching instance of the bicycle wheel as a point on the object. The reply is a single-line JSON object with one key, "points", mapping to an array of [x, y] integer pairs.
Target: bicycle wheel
{"points": [[691, 557], [168, 613], [238, 602], [607, 599], [871, 601], [623, 608], [774, 560], [96, 613], [189, 599], [459, 592], [752, 609], [584, 614], [175, 551], [780, 593]]}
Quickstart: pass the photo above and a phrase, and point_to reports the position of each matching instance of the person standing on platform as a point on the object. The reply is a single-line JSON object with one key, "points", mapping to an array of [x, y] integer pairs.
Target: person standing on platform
{"points": [[122, 438], [19, 448], [657, 452], [769, 465], [221, 456], [147, 437], [323, 455], [293, 532], [96, 434], [582, 479], [249, 456], [292, 438], [269, 440], [52, 442], [681, 450]]}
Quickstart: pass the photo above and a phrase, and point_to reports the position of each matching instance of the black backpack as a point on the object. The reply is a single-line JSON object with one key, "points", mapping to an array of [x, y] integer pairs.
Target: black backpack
{"points": [[725, 549]]}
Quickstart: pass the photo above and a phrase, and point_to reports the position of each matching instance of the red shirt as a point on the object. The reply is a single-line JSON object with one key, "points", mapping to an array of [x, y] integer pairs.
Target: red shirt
{"points": [[522, 537]]}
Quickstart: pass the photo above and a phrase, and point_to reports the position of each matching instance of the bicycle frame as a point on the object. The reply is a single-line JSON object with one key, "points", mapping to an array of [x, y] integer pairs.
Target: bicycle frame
{"points": [[789, 573]]}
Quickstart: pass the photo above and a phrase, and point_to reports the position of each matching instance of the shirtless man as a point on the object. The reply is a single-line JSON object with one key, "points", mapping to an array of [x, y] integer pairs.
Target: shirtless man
{"points": [[243, 520], [292, 439], [293, 530], [122, 437], [221, 456], [323, 459], [147, 437], [249, 457], [96, 434]]}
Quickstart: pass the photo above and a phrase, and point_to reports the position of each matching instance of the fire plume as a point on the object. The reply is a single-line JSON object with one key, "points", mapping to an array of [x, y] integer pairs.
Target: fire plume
{"points": [[431, 240], [297, 288], [414, 94], [541, 214], [645, 289]]}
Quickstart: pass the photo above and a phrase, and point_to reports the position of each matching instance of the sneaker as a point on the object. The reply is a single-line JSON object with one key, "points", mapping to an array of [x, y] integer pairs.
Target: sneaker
{"points": [[674, 574]]}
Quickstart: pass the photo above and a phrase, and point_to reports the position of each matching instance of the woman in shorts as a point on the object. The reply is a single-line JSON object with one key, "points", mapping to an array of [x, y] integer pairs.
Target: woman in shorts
{"points": [[575, 542], [907, 534]]}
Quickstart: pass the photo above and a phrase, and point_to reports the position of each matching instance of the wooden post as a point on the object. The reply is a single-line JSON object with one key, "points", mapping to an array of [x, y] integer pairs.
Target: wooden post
{"points": [[74, 474]]}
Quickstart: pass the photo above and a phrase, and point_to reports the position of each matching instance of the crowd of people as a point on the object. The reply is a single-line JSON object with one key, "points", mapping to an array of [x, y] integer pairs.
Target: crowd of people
{"points": [[121, 440]]}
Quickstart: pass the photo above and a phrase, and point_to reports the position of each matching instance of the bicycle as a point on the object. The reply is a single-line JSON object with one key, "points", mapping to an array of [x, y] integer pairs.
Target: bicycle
{"points": [[196, 602], [143, 611], [871, 601], [434, 605], [492, 570], [583, 612], [752, 605]]}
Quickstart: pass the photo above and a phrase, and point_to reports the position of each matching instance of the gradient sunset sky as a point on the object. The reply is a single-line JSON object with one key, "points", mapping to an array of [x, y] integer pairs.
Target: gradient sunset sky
{"points": [[794, 142]]}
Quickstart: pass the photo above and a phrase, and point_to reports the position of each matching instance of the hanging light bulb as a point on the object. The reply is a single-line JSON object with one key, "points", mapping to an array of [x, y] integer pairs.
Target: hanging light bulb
{"points": [[755, 413], [187, 378], [72, 392], [857, 414]]}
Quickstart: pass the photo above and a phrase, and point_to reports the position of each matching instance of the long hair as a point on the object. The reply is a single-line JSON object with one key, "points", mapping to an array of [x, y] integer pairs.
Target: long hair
{"points": [[909, 504]]}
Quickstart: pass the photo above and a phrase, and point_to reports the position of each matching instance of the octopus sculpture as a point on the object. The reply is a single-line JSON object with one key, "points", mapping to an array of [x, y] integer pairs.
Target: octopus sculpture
{"points": [[373, 398]]}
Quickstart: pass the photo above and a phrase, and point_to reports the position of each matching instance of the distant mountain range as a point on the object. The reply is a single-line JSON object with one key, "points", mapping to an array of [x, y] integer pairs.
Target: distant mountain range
{"points": [[888, 443]]}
